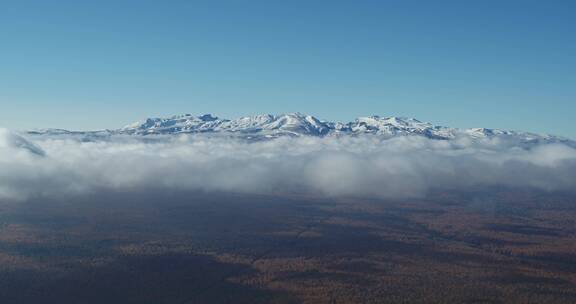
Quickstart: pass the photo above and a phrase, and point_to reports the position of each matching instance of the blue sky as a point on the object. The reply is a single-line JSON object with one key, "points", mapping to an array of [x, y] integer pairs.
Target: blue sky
{"points": [[103, 64]]}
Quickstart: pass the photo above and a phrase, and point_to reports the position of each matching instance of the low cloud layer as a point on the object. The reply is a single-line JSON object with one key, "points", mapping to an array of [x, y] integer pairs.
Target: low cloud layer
{"points": [[366, 166]]}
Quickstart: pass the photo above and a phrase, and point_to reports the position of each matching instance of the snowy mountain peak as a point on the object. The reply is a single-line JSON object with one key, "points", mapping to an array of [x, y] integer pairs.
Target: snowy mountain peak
{"points": [[206, 117], [298, 124]]}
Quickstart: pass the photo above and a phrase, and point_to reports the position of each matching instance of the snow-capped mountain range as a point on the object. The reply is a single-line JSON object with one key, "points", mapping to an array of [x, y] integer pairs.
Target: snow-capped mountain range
{"points": [[297, 124]]}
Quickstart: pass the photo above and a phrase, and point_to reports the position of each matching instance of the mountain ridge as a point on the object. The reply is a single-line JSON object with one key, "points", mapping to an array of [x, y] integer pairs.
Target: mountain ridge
{"points": [[298, 124]]}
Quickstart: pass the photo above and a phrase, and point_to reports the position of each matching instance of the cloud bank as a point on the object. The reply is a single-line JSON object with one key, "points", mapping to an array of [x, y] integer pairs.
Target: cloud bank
{"points": [[347, 166]]}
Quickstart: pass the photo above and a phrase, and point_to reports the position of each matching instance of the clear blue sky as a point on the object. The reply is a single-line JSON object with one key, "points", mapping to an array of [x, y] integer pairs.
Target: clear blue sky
{"points": [[103, 64]]}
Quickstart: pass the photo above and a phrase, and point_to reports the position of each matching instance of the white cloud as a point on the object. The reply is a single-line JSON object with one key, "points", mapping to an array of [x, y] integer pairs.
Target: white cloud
{"points": [[367, 166]]}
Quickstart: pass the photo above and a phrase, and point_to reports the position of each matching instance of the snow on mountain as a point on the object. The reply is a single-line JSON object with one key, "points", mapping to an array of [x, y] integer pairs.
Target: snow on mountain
{"points": [[297, 124], [394, 126], [175, 124], [287, 124]]}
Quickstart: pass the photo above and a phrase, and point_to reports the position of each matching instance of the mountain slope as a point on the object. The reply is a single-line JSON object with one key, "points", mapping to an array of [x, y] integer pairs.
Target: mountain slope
{"points": [[287, 124], [297, 124]]}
